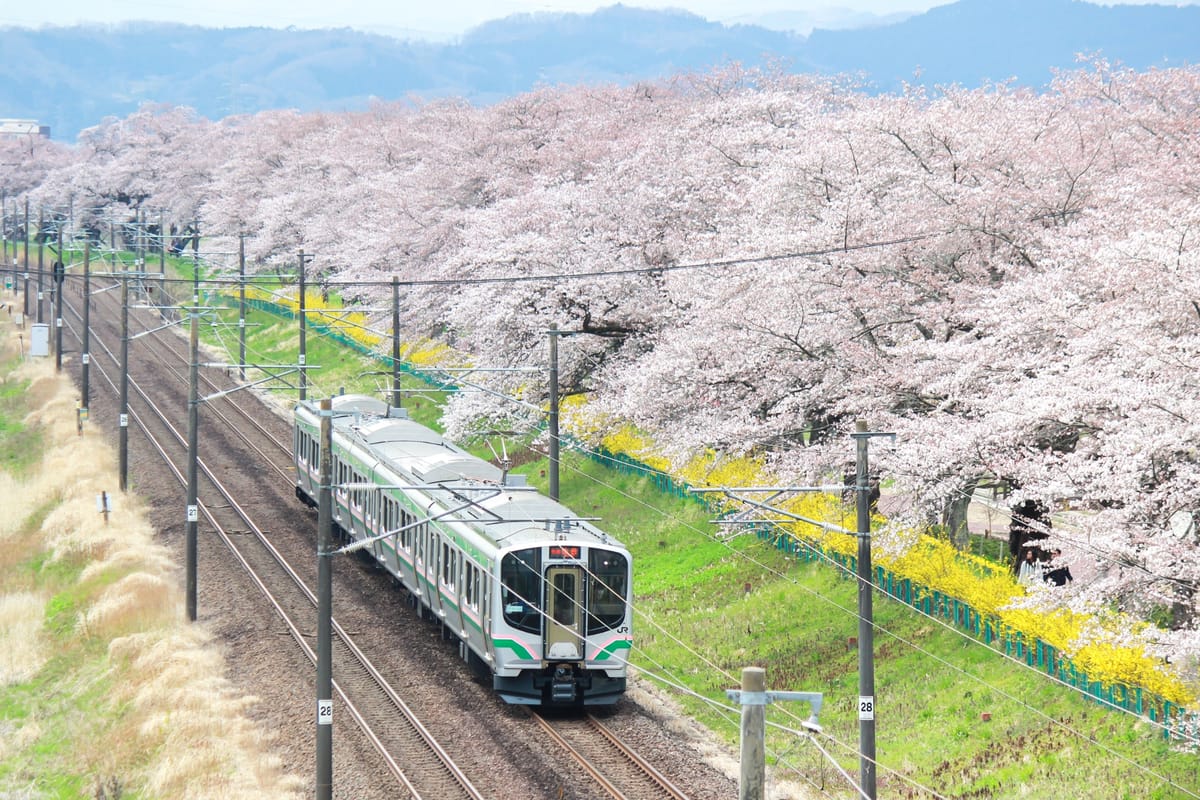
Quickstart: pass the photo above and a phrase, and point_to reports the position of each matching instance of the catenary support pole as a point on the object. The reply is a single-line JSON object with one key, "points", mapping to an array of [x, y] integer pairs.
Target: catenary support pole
{"points": [[242, 306], [123, 411], [193, 503], [41, 283], [553, 423], [866, 624], [303, 335], [25, 257], [396, 341], [865, 617], [162, 245], [85, 358], [325, 606], [59, 279]]}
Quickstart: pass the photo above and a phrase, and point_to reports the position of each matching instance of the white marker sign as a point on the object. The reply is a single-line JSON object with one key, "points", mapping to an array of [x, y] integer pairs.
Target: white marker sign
{"points": [[866, 707]]}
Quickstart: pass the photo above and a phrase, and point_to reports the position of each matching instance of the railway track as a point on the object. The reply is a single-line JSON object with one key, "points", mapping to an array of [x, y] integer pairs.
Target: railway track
{"points": [[608, 761], [415, 764], [416, 760]]}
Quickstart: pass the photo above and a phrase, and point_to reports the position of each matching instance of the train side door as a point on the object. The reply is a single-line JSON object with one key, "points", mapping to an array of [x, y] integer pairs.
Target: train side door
{"points": [[564, 613]]}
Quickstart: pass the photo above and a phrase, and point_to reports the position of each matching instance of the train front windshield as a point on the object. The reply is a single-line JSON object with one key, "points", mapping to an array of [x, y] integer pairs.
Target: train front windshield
{"points": [[607, 591], [521, 577]]}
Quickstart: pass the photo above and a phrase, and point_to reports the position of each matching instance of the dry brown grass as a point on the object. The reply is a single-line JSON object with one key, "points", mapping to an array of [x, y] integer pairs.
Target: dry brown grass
{"points": [[23, 649], [172, 726]]}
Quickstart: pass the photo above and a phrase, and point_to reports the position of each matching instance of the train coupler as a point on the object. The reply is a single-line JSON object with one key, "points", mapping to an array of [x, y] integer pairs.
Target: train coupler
{"points": [[563, 685]]}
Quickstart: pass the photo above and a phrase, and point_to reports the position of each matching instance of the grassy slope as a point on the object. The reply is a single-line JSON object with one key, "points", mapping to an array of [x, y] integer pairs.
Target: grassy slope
{"points": [[105, 691], [698, 625]]}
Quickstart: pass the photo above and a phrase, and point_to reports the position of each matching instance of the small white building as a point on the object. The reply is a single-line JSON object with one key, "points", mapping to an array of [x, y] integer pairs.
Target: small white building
{"points": [[16, 128]]}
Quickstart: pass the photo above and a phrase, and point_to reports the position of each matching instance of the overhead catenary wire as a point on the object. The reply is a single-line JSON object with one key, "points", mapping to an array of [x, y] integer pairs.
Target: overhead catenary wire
{"points": [[599, 273]]}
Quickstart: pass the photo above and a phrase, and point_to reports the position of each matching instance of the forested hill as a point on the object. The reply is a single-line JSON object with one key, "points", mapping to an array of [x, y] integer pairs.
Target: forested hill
{"points": [[72, 77]]}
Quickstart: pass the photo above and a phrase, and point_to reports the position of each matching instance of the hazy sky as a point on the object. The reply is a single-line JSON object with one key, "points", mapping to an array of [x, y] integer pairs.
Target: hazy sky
{"points": [[433, 17]]}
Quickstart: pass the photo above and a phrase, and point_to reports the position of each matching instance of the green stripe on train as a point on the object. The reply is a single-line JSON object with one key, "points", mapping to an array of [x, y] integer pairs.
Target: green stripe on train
{"points": [[517, 648], [610, 651]]}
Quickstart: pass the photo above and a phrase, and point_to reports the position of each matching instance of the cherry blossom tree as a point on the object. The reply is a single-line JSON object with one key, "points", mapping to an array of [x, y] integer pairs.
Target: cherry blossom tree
{"points": [[751, 261]]}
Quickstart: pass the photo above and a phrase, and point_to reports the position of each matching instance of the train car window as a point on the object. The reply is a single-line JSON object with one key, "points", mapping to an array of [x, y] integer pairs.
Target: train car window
{"points": [[447, 565], [521, 579], [608, 589], [479, 588], [471, 578], [431, 550], [406, 538]]}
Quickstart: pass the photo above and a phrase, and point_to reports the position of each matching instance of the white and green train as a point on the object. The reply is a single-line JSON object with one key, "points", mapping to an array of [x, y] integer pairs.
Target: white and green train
{"points": [[534, 594]]}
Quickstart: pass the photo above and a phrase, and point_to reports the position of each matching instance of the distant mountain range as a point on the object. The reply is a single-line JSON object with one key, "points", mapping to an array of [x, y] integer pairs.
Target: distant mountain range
{"points": [[72, 77]]}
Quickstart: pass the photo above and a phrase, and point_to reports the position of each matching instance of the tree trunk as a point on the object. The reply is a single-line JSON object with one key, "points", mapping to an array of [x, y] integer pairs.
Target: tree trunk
{"points": [[954, 515]]}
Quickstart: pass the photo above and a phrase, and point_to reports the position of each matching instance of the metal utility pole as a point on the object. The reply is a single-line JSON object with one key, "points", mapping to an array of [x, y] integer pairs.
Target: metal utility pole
{"points": [[303, 334], [866, 623], [242, 306], [41, 271], [60, 270], [553, 423], [162, 245], [396, 341], [325, 606], [123, 418], [195, 278], [193, 505], [85, 358], [25, 257]]}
